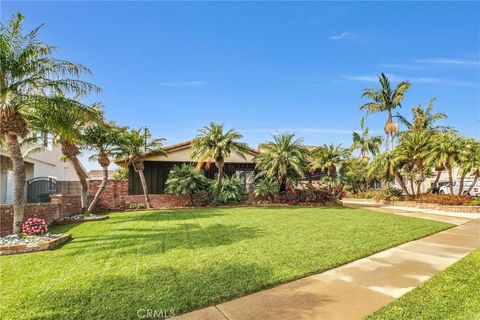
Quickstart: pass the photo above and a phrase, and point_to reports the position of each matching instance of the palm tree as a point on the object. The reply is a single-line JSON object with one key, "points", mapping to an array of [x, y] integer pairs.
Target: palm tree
{"points": [[28, 75], [132, 148], [68, 128], [386, 166], [423, 118], [186, 179], [469, 163], [101, 137], [328, 157], [385, 99], [282, 159], [414, 151], [365, 143], [212, 144], [447, 150]]}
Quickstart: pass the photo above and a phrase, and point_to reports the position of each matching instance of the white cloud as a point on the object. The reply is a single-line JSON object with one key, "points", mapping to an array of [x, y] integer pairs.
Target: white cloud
{"points": [[341, 36], [401, 66], [299, 130], [449, 61], [396, 78], [183, 84]]}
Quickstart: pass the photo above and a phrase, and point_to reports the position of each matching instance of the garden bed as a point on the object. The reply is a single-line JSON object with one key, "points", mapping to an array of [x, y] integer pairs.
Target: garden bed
{"points": [[81, 218], [14, 244]]}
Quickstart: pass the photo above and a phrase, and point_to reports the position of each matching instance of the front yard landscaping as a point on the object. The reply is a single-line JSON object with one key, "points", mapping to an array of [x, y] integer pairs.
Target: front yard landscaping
{"points": [[452, 294], [187, 259]]}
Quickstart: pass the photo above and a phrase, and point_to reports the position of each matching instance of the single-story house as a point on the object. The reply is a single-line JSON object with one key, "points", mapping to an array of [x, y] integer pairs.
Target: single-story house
{"points": [[157, 168]]}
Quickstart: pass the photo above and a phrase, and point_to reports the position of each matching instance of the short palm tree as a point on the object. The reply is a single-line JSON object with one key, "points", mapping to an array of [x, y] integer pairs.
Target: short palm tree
{"points": [[386, 166], [213, 144], [266, 187], [423, 118], [68, 128], [385, 99], [469, 163], [100, 138], [186, 179], [328, 157], [29, 74], [414, 150], [364, 143], [447, 150], [132, 148], [282, 159]]}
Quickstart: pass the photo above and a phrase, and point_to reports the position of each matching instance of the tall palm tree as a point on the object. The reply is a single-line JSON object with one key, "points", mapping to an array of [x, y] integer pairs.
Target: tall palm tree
{"points": [[328, 157], [29, 74], [385, 100], [282, 159], [447, 150], [365, 143], [132, 148], [423, 118], [101, 138], [212, 144]]}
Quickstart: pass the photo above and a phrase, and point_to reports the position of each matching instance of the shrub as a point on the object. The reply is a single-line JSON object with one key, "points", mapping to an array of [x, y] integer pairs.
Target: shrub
{"points": [[138, 205], [35, 226], [202, 198], [231, 191], [474, 202], [309, 194], [266, 188], [186, 179]]}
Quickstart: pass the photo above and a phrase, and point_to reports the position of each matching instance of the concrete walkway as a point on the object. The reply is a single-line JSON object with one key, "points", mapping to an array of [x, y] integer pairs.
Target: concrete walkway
{"points": [[357, 289]]}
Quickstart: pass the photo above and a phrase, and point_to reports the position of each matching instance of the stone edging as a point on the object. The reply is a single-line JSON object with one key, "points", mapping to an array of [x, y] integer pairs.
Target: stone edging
{"points": [[63, 222], [23, 248]]}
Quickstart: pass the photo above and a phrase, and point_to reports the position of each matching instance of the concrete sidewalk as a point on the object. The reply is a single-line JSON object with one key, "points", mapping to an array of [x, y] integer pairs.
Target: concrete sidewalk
{"points": [[357, 289]]}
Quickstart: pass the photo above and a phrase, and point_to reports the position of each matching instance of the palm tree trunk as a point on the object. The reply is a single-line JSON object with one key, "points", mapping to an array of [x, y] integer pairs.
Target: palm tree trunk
{"points": [[100, 189], [450, 180], [412, 187], [473, 183], [439, 173], [82, 176], [18, 166], [220, 164], [401, 182], [145, 191], [462, 180]]}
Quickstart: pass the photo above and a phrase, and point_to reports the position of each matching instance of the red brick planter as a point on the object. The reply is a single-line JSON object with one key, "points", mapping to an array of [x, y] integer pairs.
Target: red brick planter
{"points": [[23, 248]]}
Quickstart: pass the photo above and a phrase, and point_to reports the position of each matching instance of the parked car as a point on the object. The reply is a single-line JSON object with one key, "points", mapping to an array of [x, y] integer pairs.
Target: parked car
{"points": [[475, 192]]}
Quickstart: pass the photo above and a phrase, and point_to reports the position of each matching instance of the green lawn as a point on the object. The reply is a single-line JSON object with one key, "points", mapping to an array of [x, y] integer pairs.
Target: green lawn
{"points": [[452, 294], [187, 259]]}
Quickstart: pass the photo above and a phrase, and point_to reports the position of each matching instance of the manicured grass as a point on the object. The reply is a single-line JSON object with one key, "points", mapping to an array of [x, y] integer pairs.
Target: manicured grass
{"points": [[452, 294], [187, 259]]}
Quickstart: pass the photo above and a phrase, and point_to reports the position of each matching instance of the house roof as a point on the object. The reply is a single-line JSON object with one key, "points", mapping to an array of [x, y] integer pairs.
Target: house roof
{"points": [[176, 147]]}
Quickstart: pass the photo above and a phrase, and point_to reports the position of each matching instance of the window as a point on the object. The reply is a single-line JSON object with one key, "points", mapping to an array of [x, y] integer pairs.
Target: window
{"points": [[246, 176]]}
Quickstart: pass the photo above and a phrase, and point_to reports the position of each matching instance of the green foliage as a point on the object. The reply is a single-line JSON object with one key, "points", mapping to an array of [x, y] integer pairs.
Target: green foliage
{"points": [[185, 179], [283, 159], [329, 157], [354, 174], [364, 143], [423, 118], [121, 173], [266, 187], [230, 191]]}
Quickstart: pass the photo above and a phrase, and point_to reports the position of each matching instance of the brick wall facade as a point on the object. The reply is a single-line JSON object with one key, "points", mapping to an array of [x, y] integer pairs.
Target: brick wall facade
{"points": [[112, 198], [61, 206]]}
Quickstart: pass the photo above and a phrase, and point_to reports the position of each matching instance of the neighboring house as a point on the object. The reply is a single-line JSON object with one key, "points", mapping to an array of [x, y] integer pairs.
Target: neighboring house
{"points": [[157, 168], [98, 174], [45, 173]]}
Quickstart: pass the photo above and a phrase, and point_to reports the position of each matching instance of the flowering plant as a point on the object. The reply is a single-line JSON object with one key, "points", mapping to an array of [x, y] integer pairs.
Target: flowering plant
{"points": [[34, 226]]}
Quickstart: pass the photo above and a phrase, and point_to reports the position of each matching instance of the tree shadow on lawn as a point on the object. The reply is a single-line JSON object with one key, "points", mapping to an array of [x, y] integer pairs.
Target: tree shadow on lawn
{"points": [[160, 288], [158, 240]]}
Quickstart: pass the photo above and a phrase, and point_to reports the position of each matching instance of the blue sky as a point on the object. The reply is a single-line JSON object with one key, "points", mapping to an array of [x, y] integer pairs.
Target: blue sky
{"points": [[261, 67]]}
